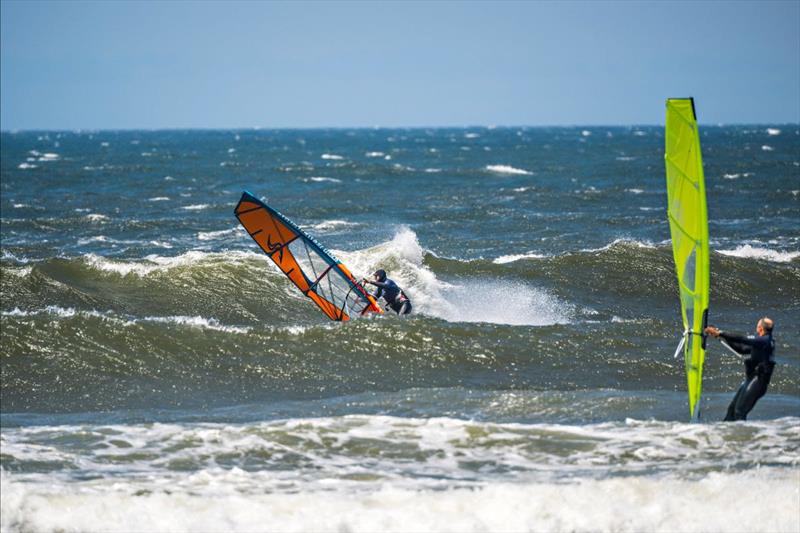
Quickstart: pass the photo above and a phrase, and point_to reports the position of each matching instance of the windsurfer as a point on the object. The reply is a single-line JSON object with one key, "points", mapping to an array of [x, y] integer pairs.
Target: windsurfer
{"points": [[392, 294], [758, 366]]}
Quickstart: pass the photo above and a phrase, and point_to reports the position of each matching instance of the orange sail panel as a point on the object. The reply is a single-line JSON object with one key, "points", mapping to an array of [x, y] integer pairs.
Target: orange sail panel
{"points": [[312, 268]]}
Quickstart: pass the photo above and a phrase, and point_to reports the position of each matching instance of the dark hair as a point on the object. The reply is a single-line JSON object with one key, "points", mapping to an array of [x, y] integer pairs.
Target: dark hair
{"points": [[381, 275]]}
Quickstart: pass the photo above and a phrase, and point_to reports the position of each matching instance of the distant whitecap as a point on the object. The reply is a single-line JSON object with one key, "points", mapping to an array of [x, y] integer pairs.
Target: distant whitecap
{"points": [[507, 169]]}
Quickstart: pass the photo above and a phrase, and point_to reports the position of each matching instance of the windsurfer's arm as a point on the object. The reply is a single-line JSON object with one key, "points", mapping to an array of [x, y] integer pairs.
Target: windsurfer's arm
{"points": [[739, 343]]}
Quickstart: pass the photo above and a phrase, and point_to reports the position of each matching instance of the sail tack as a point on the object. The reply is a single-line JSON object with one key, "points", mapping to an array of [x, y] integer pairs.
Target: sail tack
{"points": [[307, 264], [688, 223]]}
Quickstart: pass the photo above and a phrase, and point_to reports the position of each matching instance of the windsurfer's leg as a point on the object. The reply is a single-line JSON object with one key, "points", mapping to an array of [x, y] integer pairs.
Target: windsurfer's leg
{"points": [[755, 390], [405, 308], [731, 414]]}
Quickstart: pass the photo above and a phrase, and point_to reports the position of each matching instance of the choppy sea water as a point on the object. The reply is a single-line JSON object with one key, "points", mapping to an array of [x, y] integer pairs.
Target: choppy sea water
{"points": [[159, 374]]}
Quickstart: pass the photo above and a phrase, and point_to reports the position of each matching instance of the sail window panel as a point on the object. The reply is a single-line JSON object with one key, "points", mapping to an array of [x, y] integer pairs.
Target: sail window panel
{"points": [[689, 270], [310, 261]]}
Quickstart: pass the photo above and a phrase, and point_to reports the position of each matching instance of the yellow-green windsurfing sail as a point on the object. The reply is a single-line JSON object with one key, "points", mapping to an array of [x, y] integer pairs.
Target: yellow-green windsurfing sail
{"points": [[688, 224]]}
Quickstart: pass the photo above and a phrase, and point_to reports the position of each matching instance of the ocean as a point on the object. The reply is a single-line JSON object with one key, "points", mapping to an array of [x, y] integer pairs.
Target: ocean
{"points": [[160, 374]]}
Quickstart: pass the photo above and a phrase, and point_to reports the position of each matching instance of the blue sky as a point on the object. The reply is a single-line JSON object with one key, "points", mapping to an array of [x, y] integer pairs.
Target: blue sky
{"points": [[119, 65]]}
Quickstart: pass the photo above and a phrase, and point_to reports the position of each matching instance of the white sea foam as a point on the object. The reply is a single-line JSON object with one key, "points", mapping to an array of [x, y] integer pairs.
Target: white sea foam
{"points": [[49, 157], [196, 207], [320, 179], [96, 217], [631, 504], [471, 135], [375, 154], [586, 133], [507, 169], [427, 482], [767, 148], [333, 157], [751, 252], [635, 191], [158, 199], [773, 131], [27, 166]]}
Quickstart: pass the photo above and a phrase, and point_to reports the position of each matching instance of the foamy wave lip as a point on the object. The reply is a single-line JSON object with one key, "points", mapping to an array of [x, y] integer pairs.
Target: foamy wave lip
{"points": [[737, 175], [155, 263], [624, 242], [90, 240], [330, 225], [503, 259], [55, 310], [196, 322], [321, 179], [333, 157], [751, 252], [196, 207], [213, 235], [507, 169], [95, 217]]}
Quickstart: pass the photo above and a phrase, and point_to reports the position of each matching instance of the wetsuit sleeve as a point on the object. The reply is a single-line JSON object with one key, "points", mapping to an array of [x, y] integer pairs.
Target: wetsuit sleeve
{"points": [[380, 284], [740, 343], [378, 292]]}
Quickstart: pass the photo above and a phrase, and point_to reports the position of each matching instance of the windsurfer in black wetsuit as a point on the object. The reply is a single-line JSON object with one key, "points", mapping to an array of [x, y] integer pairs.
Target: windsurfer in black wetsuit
{"points": [[758, 367], [393, 295]]}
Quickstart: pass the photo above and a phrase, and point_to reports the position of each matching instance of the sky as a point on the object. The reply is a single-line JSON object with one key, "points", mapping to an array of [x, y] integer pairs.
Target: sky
{"points": [[185, 64]]}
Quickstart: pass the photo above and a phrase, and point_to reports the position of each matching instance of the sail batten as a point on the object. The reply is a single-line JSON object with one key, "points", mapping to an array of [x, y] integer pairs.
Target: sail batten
{"points": [[688, 222], [307, 264]]}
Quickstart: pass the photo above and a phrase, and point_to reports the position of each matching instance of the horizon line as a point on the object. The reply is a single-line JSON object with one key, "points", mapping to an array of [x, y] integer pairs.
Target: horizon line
{"points": [[310, 128]]}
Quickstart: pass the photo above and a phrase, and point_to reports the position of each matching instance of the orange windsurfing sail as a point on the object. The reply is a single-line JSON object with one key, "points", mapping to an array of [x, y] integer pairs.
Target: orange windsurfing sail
{"points": [[312, 268]]}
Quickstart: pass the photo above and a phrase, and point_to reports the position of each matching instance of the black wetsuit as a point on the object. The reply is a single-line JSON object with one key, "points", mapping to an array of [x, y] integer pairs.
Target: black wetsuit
{"points": [[394, 296], [758, 371]]}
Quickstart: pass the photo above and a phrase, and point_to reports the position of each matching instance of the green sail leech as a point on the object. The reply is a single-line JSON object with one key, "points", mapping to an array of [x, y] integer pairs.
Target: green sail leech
{"points": [[688, 223]]}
